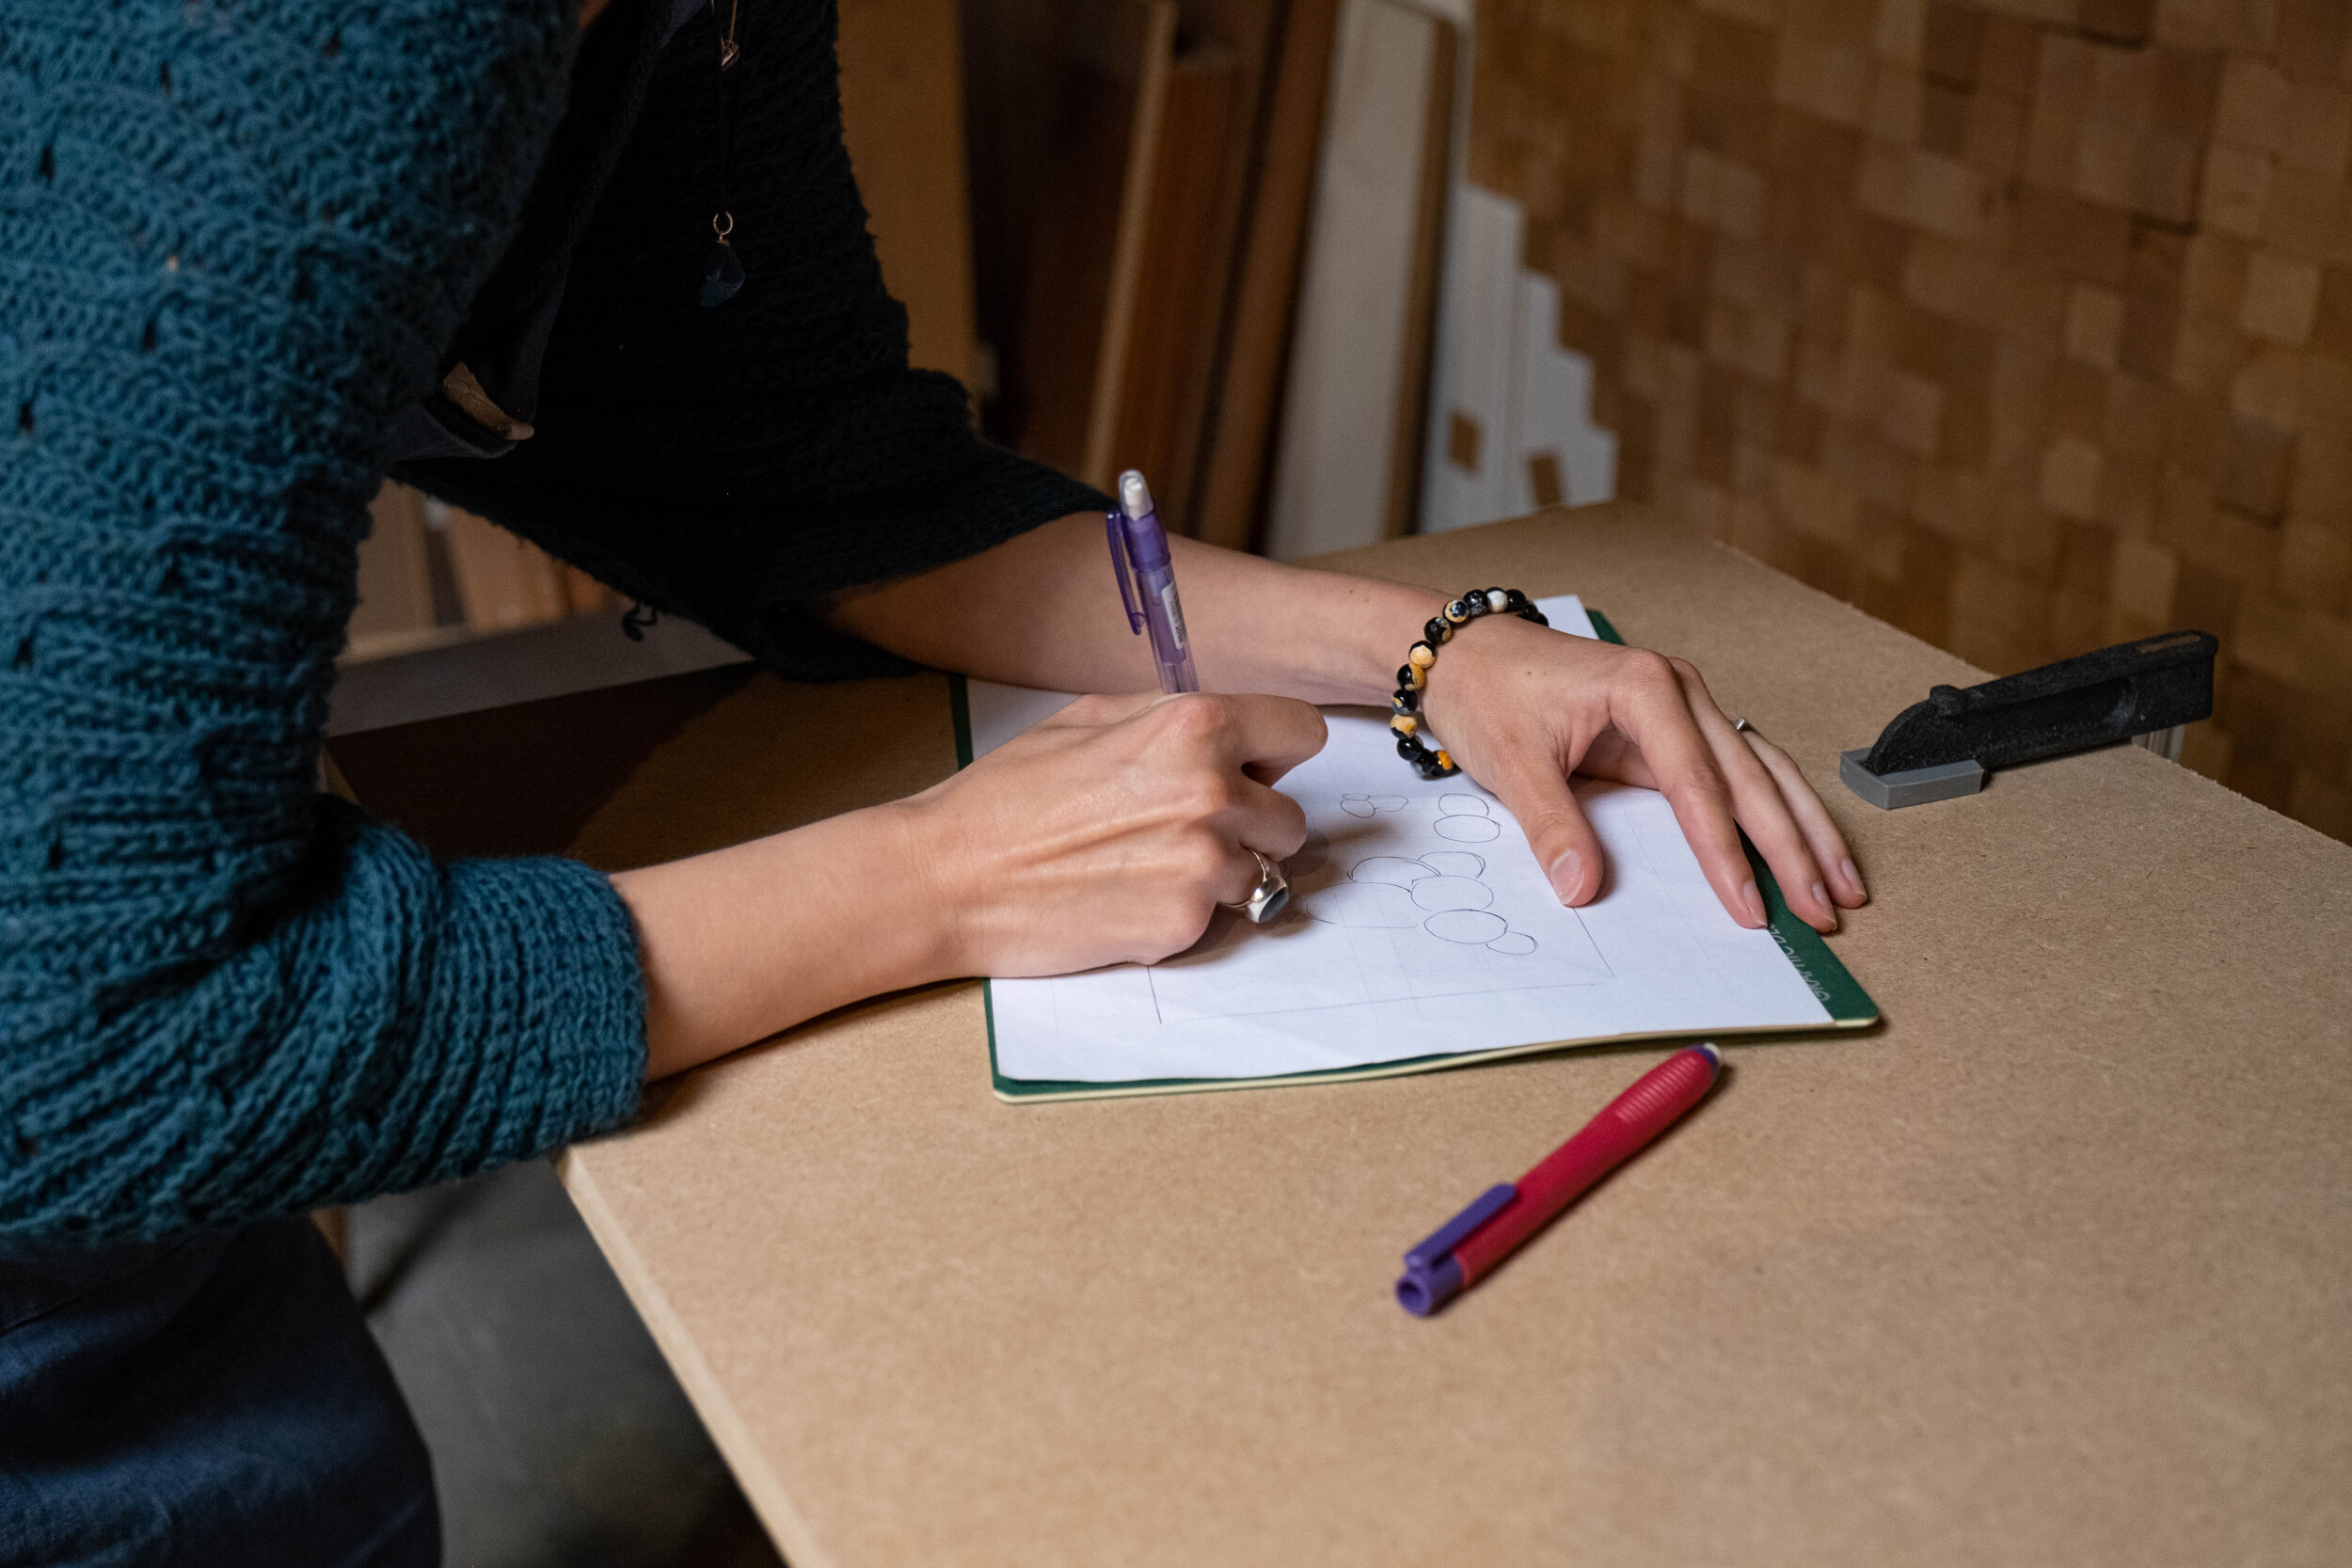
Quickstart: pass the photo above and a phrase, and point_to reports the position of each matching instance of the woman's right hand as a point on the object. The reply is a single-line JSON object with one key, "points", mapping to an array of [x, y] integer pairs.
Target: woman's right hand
{"points": [[1108, 833]]}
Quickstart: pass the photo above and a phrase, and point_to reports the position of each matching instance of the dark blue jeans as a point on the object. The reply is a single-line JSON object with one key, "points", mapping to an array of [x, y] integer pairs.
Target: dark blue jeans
{"points": [[211, 1399]]}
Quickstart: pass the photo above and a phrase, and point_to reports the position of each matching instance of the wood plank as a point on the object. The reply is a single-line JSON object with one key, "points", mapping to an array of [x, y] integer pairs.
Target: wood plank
{"points": [[1355, 342], [395, 576], [1421, 290], [1069, 293], [1180, 287], [1233, 476], [1147, 113], [902, 115], [504, 580]]}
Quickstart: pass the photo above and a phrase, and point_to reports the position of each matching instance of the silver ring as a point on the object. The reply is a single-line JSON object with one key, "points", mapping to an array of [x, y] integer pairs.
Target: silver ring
{"points": [[1739, 724], [1269, 898]]}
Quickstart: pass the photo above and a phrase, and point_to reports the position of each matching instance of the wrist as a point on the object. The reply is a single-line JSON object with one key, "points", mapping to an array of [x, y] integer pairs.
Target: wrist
{"points": [[1352, 655], [929, 914]]}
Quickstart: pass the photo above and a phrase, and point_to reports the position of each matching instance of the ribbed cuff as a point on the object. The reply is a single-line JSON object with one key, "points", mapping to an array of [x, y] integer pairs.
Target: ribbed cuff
{"points": [[536, 1001]]}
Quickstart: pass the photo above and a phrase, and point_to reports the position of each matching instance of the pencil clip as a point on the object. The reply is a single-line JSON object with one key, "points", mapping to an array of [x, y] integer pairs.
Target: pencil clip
{"points": [[1432, 1276], [1119, 568]]}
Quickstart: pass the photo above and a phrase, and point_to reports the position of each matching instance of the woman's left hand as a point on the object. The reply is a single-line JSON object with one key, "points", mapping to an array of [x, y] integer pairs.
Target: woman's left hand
{"points": [[1521, 708]]}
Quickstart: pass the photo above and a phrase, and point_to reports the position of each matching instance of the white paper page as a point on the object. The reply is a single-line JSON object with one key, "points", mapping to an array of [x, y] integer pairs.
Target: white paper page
{"points": [[1419, 923]]}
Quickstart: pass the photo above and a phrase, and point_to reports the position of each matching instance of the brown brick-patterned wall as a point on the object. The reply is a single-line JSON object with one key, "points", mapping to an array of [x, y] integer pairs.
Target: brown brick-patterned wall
{"points": [[2025, 325]]}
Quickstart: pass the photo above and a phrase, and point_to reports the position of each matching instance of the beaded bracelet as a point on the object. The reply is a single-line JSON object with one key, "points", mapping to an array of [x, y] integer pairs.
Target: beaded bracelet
{"points": [[1413, 676]]}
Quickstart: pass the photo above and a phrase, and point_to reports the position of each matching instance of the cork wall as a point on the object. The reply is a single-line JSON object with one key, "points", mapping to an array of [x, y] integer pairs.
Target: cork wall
{"points": [[2025, 325]]}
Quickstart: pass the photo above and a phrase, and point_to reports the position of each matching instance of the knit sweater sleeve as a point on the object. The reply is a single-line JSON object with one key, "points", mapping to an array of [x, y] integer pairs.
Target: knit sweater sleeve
{"points": [[232, 240], [737, 464]]}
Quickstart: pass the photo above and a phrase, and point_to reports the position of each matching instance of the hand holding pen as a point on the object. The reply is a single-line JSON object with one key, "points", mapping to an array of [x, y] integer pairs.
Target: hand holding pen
{"points": [[1146, 586]]}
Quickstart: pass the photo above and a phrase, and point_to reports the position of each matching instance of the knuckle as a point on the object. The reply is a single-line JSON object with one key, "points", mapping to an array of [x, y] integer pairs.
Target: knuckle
{"points": [[1202, 794], [1201, 860], [1682, 667], [1650, 669], [1708, 788], [1195, 719]]}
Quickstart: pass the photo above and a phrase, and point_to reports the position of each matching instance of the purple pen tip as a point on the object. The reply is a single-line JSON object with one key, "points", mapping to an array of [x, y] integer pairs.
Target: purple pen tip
{"points": [[1713, 1054]]}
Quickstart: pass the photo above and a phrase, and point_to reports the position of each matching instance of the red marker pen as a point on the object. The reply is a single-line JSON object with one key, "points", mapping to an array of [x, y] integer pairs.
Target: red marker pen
{"points": [[1474, 1241]]}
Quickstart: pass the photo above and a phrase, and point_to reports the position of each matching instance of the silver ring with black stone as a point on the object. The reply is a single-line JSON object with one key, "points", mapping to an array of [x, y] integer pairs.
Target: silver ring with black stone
{"points": [[1269, 898]]}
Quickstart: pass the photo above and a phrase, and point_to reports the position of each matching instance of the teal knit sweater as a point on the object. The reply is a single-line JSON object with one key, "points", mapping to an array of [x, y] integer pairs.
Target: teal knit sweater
{"points": [[236, 239], [232, 241]]}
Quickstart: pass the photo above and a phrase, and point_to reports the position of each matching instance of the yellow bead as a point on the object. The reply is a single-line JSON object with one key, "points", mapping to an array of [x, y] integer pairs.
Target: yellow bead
{"points": [[1444, 760], [1422, 657], [1405, 723]]}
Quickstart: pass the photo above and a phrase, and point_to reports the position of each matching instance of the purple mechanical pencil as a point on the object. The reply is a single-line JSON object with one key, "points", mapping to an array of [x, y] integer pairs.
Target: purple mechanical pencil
{"points": [[1139, 556]]}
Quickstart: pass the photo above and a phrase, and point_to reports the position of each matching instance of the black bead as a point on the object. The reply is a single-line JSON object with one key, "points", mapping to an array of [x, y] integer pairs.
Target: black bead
{"points": [[1409, 748], [1436, 630], [1537, 616], [1405, 676]]}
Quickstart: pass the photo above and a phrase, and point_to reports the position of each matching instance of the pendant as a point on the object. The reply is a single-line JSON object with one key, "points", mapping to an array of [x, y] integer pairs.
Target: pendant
{"points": [[723, 275], [727, 53]]}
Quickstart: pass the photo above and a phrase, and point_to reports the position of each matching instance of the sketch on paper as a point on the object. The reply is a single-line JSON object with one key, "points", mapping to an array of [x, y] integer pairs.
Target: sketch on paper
{"points": [[1389, 903], [1441, 891]]}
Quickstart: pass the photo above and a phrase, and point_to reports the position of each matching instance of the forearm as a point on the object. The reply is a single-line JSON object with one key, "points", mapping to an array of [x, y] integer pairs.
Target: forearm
{"points": [[745, 942], [1044, 610]]}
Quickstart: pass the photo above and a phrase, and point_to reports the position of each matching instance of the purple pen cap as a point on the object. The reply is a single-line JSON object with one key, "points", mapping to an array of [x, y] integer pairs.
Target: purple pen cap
{"points": [[1433, 1275], [1147, 542]]}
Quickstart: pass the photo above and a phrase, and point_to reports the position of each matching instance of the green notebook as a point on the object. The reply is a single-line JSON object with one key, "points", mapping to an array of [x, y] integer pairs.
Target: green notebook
{"points": [[1181, 1005]]}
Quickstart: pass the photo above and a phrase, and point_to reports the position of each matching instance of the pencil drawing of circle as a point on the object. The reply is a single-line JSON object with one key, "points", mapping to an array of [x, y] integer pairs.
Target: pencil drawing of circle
{"points": [[1467, 829], [1393, 869], [1453, 863], [1388, 802], [1461, 805], [1355, 805], [1375, 906], [1472, 927], [1452, 892], [1513, 942]]}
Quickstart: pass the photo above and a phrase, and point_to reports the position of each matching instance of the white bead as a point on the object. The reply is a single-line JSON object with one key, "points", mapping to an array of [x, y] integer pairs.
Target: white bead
{"points": [[1498, 599]]}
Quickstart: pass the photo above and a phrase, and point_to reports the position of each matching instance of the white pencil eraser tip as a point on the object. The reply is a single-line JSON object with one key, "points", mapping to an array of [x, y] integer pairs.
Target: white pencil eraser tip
{"points": [[1716, 1055], [1134, 494]]}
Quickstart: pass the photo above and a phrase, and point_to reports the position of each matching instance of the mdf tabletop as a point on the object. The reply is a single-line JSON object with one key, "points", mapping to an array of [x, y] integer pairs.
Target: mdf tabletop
{"points": [[2054, 1266]]}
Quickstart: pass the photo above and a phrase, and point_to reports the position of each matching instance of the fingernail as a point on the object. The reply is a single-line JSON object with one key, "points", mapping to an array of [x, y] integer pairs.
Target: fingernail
{"points": [[1565, 872], [1854, 878], [1754, 902], [1821, 896]]}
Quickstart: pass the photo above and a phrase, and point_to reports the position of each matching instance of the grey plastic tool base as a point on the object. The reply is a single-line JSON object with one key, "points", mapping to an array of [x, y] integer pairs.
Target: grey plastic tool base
{"points": [[1915, 786]]}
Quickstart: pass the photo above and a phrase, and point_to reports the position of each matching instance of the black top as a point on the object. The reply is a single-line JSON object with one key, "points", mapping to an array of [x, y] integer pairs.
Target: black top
{"points": [[735, 463]]}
